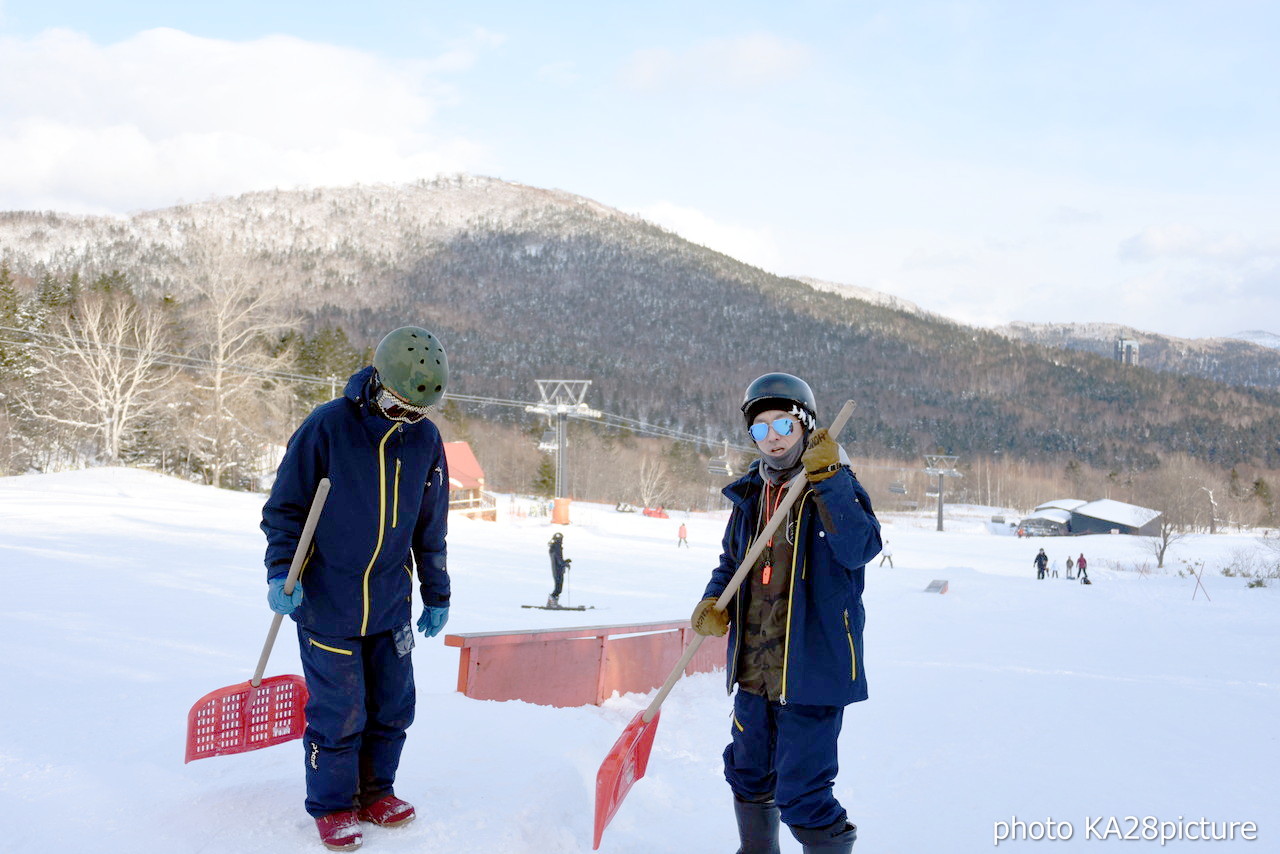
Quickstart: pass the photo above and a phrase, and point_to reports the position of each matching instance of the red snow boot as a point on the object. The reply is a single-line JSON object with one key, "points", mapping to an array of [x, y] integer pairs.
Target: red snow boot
{"points": [[340, 831], [388, 811]]}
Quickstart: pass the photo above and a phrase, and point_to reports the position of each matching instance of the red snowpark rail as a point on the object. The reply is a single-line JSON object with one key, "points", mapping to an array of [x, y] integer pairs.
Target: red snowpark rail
{"points": [[576, 667]]}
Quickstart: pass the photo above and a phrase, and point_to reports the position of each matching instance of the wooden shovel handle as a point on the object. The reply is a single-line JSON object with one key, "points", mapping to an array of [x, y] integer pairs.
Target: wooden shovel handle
{"points": [[753, 553], [295, 569]]}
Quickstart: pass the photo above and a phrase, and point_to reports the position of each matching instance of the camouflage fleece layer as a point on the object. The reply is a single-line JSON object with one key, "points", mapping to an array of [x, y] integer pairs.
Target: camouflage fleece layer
{"points": [[764, 642]]}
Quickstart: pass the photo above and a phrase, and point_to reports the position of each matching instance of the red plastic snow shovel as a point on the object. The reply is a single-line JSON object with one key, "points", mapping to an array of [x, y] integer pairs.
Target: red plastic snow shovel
{"points": [[260, 712], [629, 756]]}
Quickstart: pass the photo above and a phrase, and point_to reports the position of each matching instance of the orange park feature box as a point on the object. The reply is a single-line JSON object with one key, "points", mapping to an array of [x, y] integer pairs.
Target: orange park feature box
{"points": [[579, 666]]}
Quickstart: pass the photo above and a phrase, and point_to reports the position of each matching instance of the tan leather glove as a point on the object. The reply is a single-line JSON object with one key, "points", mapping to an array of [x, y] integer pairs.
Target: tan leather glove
{"points": [[823, 457], [709, 620]]}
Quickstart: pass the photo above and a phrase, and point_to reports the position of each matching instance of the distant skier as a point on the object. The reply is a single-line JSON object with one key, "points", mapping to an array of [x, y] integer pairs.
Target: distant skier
{"points": [[886, 553], [795, 638], [1080, 567], [354, 621], [558, 566], [1053, 568], [1070, 566], [683, 534], [1041, 563]]}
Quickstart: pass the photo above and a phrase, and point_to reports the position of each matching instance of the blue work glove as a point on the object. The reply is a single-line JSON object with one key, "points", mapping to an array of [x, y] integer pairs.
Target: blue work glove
{"points": [[279, 602], [433, 619]]}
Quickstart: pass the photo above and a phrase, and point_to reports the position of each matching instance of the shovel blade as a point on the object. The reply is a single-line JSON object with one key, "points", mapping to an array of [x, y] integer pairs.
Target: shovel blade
{"points": [[241, 717], [625, 764]]}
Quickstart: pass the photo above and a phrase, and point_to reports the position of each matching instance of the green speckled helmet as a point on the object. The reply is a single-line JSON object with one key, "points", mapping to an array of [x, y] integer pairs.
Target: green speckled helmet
{"points": [[411, 364]]}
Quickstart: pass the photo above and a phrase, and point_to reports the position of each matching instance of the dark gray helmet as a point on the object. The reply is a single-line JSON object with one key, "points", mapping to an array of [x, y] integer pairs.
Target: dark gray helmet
{"points": [[780, 391], [411, 363]]}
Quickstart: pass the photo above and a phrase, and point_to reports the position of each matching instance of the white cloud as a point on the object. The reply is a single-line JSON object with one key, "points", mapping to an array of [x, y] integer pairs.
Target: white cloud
{"points": [[559, 73], [1189, 242], [739, 62], [166, 115], [755, 246]]}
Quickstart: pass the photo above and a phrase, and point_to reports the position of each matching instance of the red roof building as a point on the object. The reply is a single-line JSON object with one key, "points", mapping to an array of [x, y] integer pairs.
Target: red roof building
{"points": [[466, 483], [464, 469]]}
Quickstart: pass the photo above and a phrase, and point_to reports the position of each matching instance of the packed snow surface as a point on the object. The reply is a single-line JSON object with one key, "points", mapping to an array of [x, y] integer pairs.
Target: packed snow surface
{"points": [[128, 596]]}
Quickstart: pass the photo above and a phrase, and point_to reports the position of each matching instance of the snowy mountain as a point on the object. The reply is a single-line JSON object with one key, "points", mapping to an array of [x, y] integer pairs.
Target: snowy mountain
{"points": [[522, 283], [1259, 337], [307, 240], [1244, 359], [867, 295], [128, 596]]}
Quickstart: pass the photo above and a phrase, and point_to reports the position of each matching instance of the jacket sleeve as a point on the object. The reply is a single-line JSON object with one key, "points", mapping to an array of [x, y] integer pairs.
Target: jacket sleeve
{"points": [[285, 512], [851, 525], [429, 551]]}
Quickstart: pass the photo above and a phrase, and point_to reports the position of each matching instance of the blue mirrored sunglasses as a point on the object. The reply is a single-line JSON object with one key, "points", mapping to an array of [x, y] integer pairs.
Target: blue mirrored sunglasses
{"points": [[781, 426]]}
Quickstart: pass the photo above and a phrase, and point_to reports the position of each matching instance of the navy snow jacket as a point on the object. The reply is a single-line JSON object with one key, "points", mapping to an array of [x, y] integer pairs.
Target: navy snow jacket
{"points": [[836, 534], [387, 511]]}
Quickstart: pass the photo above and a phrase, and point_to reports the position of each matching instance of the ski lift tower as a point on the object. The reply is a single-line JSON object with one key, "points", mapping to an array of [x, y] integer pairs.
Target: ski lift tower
{"points": [[943, 467], [560, 399]]}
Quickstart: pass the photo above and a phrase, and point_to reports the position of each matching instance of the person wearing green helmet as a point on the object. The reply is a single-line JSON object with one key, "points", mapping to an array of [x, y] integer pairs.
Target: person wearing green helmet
{"points": [[385, 517]]}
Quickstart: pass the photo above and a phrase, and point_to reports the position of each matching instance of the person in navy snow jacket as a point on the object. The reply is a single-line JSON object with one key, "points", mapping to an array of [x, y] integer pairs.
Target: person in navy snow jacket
{"points": [[385, 518], [795, 625]]}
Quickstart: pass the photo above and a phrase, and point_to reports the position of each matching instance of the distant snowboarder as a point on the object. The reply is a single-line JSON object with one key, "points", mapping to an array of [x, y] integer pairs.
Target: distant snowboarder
{"points": [[1041, 563], [555, 548], [683, 534], [1080, 565], [886, 553], [1070, 566]]}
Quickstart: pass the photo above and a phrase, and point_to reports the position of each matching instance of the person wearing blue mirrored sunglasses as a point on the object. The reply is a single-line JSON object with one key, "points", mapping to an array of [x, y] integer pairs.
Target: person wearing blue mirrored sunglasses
{"points": [[794, 626]]}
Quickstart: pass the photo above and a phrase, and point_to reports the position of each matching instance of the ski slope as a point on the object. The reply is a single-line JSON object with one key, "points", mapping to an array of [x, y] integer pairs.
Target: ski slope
{"points": [[128, 595]]}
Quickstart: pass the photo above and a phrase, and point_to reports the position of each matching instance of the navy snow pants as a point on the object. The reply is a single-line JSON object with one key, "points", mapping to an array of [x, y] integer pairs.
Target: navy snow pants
{"points": [[788, 752], [361, 702]]}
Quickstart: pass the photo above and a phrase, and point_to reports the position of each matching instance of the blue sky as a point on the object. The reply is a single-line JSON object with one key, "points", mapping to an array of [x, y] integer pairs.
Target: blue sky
{"points": [[992, 161]]}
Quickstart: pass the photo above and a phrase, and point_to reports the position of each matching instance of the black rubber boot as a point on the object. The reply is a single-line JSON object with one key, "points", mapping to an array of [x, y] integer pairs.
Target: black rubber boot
{"points": [[837, 838], [757, 826]]}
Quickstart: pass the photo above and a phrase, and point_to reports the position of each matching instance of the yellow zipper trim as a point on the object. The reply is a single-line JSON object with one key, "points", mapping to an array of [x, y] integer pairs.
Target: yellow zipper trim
{"points": [[853, 656], [395, 503], [791, 589], [740, 727], [314, 642], [382, 522], [307, 560]]}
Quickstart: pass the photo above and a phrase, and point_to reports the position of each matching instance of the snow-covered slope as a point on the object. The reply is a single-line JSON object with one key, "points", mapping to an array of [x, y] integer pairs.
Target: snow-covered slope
{"points": [[127, 596], [866, 295], [1107, 333], [1260, 337], [386, 225]]}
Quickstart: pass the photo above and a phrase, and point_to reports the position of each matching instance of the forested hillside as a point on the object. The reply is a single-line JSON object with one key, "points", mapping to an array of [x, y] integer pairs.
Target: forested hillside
{"points": [[522, 283], [1227, 360]]}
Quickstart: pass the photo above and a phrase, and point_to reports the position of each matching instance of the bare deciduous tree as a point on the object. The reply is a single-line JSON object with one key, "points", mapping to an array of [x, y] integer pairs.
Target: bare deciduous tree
{"points": [[99, 369], [1160, 543], [231, 317], [653, 483]]}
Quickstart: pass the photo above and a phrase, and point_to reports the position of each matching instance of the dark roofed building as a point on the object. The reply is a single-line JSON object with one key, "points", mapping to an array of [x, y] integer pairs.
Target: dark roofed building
{"points": [[1105, 516]]}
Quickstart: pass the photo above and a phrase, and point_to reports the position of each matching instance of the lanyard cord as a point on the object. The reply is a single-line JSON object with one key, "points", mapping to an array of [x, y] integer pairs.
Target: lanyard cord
{"points": [[772, 503]]}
